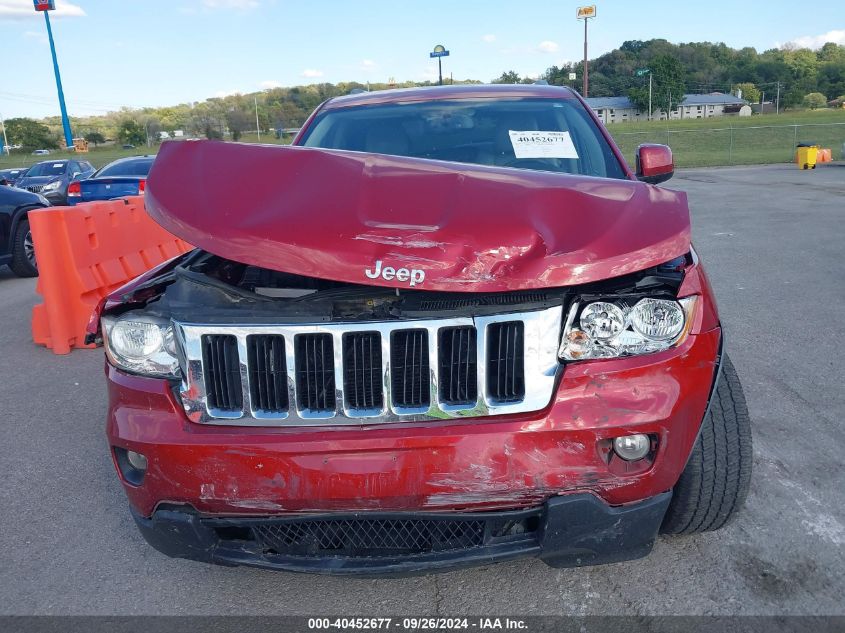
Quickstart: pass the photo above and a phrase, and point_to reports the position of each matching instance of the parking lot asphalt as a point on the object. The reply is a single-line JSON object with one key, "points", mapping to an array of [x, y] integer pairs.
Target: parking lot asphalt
{"points": [[773, 242]]}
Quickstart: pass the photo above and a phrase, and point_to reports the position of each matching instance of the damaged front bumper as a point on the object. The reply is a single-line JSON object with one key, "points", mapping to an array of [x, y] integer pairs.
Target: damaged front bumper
{"points": [[570, 531]]}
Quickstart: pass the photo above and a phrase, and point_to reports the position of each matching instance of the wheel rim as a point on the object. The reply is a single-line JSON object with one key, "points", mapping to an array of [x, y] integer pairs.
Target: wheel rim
{"points": [[29, 249]]}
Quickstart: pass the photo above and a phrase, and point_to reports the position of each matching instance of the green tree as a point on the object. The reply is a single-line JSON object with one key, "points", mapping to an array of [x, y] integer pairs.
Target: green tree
{"points": [[130, 132], [750, 92], [668, 85], [815, 100], [508, 77], [30, 134], [238, 122], [96, 138]]}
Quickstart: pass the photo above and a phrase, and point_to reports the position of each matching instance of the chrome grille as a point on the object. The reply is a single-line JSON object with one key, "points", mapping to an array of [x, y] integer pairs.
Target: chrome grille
{"points": [[367, 373], [34, 188]]}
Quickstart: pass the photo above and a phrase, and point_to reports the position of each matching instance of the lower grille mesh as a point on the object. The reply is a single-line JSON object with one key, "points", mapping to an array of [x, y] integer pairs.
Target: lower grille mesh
{"points": [[369, 537]]}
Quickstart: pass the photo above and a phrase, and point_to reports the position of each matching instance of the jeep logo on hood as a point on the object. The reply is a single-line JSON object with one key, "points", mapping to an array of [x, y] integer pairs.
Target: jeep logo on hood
{"points": [[388, 273]]}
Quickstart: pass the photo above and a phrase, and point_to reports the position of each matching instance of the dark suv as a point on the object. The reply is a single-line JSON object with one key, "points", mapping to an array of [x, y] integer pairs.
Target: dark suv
{"points": [[52, 177], [16, 246]]}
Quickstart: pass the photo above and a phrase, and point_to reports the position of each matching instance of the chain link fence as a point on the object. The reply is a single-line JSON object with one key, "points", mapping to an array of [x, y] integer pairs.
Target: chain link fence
{"points": [[746, 145]]}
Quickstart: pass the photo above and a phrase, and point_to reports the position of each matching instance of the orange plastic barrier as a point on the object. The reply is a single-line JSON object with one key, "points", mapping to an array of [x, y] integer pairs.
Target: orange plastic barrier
{"points": [[86, 252], [824, 156]]}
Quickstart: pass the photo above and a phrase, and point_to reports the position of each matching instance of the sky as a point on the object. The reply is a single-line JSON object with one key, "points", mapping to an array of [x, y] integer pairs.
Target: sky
{"points": [[139, 53]]}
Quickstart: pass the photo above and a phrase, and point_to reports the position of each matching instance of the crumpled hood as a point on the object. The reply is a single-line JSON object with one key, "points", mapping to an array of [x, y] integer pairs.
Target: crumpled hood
{"points": [[366, 218]]}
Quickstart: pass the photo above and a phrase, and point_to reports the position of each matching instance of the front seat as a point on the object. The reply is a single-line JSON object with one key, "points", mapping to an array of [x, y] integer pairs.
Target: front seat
{"points": [[387, 137]]}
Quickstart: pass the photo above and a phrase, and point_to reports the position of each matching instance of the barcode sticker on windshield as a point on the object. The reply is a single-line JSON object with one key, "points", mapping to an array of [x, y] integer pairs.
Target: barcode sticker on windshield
{"points": [[538, 144]]}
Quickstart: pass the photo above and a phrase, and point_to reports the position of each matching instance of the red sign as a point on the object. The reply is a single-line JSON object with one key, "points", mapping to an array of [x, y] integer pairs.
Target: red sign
{"points": [[44, 5]]}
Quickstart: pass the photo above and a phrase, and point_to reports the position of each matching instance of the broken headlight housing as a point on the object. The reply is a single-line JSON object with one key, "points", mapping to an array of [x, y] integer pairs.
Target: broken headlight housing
{"points": [[141, 344], [615, 328]]}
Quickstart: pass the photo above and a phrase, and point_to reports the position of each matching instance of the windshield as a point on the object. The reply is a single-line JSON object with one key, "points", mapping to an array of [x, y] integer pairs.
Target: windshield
{"points": [[531, 133], [139, 167], [47, 169]]}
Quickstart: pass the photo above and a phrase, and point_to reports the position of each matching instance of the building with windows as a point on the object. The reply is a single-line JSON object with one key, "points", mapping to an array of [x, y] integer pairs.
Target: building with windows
{"points": [[693, 106]]}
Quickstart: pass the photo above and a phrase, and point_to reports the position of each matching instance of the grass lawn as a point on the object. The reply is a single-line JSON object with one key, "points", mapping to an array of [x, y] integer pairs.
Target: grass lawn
{"points": [[759, 139]]}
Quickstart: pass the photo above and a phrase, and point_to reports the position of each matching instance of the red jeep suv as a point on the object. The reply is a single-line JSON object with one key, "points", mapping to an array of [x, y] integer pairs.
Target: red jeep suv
{"points": [[448, 327]]}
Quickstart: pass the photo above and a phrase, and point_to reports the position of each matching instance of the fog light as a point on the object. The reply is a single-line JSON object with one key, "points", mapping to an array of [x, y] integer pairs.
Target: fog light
{"points": [[136, 460], [632, 447]]}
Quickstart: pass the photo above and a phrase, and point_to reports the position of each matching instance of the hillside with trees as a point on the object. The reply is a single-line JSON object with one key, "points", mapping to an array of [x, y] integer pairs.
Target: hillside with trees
{"points": [[702, 67], [803, 77]]}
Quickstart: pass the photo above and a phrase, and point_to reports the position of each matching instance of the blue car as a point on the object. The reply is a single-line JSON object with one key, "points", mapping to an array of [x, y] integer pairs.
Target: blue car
{"points": [[123, 177]]}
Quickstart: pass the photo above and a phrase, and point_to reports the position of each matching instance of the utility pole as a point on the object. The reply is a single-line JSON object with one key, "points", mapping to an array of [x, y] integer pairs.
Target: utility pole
{"points": [[5, 140], [777, 101], [649, 95], [585, 13], [257, 125]]}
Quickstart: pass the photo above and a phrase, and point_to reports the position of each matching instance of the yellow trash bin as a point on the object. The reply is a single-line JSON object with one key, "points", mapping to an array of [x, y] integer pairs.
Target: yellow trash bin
{"points": [[806, 155]]}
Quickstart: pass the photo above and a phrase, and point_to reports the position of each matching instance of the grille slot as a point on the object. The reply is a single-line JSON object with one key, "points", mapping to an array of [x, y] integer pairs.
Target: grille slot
{"points": [[315, 387], [222, 372], [362, 384], [409, 369], [369, 538], [268, 376], [505, 361], [458, 381]]}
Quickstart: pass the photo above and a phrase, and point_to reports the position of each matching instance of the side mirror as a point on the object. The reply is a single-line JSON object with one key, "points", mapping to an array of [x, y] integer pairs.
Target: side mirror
{"points": [[654, 163]]}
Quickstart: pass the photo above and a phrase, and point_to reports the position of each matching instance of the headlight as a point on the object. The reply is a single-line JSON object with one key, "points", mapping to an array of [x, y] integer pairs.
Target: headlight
{"points": [[610, 329], [141, 344], [52, 186]]}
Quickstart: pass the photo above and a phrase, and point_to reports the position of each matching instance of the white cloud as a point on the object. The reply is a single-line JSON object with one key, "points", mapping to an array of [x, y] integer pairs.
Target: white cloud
{"points": [[270, 83], [231, 4], [36, 36], [227, 93], [817, 41], [368, 63], [23, 9], [548, 46], [312, 73], [489, 38]]}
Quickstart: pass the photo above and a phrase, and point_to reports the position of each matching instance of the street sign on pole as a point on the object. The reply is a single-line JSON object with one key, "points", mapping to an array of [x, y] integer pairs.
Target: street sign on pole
{"points": [[642, 72], [44, 5], [586, 13], [572, 76], [439, 52]]}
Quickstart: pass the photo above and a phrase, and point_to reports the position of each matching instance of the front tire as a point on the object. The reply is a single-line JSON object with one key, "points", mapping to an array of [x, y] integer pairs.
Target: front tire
{"points": [[23, 252], [715, 482]]}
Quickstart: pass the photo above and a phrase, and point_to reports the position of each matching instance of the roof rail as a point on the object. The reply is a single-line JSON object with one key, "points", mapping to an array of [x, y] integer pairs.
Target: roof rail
{"points": [[541, 82], [356, 91]]}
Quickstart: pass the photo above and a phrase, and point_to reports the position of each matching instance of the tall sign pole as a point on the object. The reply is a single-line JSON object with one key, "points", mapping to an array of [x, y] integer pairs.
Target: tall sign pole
{"points": [[642, 72], [45, 6], [585, 13], [439, 52]]}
